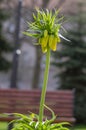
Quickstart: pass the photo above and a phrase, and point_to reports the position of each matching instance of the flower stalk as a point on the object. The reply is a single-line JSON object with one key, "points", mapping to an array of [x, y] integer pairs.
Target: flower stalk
{"points": [[45, 29], [44, 87]]}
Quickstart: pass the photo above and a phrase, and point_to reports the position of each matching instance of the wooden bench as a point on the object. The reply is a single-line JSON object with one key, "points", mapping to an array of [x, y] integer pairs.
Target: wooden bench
{"points": [[23, 101]]}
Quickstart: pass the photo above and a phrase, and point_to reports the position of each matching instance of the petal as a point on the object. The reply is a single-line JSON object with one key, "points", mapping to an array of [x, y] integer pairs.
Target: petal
{"points": [[53, 42], [54, 46], [50, 40], [44, 41], [44, 49]]}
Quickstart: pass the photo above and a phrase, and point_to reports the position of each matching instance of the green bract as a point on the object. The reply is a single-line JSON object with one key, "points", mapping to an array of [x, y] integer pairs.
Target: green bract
{"points": [[45, 28]]}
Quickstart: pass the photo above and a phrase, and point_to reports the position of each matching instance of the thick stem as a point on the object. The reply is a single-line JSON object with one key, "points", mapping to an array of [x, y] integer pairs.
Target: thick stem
{"points": [[44, 87]]}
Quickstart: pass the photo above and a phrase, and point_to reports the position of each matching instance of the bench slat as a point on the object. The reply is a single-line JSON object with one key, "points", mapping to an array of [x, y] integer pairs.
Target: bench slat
{"points": [[23, 101]]}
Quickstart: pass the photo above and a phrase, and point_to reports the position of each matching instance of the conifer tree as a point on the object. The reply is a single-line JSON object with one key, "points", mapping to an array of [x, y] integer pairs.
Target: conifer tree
{"points": [[71, 60], [4, 44]]}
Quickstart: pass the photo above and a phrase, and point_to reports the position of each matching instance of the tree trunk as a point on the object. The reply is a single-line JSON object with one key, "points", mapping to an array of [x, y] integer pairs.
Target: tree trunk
{"points": [[37, 68]]}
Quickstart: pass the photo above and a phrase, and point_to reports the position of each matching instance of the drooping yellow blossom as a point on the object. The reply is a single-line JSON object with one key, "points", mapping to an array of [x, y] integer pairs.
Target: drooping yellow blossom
{"points": [[52, 42], [48, 41]]}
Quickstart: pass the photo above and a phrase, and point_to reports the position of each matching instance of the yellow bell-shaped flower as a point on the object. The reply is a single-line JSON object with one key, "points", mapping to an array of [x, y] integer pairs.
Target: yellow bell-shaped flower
{"points": [[53, 42]]}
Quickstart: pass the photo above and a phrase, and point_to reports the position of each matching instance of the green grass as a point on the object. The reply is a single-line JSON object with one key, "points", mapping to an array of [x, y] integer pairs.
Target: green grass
{"points": [[79, 127], [4, 125]]}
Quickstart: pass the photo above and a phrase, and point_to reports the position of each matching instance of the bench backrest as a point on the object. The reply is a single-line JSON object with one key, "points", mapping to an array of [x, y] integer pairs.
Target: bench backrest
{"points": [[25, 101]]}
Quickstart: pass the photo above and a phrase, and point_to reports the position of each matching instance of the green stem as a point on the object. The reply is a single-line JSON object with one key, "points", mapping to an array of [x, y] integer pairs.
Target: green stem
{"points": [[44, 87]]}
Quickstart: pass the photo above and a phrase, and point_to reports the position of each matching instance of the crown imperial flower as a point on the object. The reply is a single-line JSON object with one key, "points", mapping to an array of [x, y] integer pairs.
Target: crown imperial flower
{"points": [[45, 28]]}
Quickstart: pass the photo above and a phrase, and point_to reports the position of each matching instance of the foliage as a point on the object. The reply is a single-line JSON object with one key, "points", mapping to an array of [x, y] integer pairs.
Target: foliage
{"points": [[4, 45], [3, 126], [71, 60], [31, 122]]}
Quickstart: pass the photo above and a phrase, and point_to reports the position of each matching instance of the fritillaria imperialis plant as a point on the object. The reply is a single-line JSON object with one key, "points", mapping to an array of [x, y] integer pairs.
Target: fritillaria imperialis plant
{"points": [[45, 28]]}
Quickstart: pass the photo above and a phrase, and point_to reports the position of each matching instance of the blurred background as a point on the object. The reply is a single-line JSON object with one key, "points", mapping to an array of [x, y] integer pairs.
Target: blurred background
{"points": [[22, 64]]}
